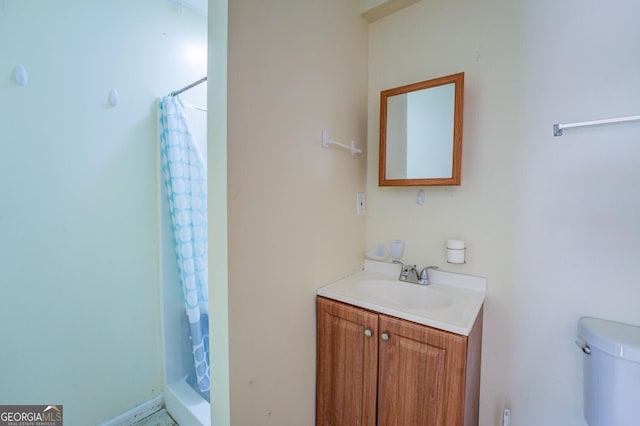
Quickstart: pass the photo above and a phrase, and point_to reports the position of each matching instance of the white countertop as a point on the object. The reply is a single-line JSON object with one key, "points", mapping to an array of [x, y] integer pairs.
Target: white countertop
{"points": [[451, 302]]}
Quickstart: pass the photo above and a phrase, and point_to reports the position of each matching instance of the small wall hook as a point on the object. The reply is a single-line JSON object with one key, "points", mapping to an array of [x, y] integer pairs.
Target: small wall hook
{"points": [[20, 75], [114, 97]]}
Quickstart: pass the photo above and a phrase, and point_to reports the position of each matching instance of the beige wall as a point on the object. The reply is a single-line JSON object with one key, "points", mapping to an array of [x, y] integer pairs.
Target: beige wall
{"points": [[551, 222], [294, 69]]}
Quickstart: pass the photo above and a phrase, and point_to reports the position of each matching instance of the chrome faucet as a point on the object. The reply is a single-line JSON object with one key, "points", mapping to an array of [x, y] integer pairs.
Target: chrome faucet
{"points": [[410, 274], [424, 275]]}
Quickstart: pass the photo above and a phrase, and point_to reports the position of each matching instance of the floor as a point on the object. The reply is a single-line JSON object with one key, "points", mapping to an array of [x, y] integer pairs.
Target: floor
{"points": [[160, 418]]}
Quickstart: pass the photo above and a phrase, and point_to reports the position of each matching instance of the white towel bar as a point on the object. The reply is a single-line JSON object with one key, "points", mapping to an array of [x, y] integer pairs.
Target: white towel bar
{"points": [[557, 128]]}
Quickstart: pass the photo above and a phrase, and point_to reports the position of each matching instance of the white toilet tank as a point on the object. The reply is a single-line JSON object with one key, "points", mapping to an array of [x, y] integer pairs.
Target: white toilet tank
{"points": [[611, 372]]}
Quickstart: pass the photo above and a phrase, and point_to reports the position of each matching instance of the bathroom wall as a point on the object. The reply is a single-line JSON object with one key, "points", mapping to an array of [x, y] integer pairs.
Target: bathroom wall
{"points": [[550, 221], [217, 210], [79, 297], [294, 69]]}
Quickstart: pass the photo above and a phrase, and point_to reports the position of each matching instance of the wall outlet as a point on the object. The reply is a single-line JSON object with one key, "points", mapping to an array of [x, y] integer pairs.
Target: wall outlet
{"points": [[360, 209]]}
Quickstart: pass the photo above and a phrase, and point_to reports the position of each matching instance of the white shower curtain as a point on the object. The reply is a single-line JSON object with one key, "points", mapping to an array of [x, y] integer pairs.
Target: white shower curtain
{"points": [[184, 171]]}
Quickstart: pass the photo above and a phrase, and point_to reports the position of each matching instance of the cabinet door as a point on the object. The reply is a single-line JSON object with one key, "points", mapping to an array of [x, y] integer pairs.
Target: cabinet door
{"points": [[347, 366], [422, 374]]}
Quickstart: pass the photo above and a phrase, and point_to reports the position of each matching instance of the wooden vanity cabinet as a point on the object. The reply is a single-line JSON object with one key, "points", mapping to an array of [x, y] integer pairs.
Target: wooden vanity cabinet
{"points": [[374, 369], [347, 376]]}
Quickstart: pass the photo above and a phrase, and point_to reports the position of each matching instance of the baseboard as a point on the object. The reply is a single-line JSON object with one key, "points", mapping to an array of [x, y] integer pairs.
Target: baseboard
{"points": [[136, 413]]}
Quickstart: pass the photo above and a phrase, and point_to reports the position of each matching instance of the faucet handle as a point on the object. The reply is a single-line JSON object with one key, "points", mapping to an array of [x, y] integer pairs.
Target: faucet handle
{"points": [[402, 265], [403, 268]]}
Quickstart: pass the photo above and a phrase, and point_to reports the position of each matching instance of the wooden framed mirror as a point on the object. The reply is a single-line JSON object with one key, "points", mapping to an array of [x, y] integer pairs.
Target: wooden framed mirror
{"points": [[421, 133]]}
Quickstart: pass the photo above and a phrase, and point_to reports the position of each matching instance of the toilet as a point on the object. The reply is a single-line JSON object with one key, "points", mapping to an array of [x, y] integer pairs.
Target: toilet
{"points": [[611, 363]]}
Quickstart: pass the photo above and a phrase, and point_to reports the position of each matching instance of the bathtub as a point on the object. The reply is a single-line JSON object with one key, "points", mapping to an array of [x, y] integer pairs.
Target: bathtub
{"points": [[185, 405]]}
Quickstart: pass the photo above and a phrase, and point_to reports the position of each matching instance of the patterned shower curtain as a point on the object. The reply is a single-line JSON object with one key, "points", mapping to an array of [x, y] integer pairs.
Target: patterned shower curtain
{"points": [[184, 171]]}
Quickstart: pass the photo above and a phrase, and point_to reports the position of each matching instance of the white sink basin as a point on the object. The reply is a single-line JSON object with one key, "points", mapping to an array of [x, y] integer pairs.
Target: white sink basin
{"points": [[451, 302], [403, 295]]}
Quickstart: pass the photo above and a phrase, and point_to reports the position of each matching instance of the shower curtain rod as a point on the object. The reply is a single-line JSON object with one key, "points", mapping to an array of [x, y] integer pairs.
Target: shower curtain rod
{"points": [[185, 88]]}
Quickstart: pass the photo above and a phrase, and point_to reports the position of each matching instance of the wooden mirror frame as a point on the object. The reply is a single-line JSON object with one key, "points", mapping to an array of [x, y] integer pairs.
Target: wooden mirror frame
{"points": [[458, 81]]}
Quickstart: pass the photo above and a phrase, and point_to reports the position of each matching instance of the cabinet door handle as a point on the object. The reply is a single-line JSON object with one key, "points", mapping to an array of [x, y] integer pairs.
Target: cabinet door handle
{"points": [[384, 336], [367, 332]]}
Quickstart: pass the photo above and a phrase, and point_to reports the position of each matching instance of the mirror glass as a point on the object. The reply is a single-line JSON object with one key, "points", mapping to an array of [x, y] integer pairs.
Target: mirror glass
{"points": [[421, 133]]}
